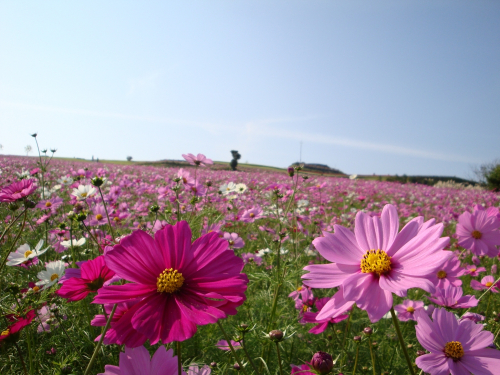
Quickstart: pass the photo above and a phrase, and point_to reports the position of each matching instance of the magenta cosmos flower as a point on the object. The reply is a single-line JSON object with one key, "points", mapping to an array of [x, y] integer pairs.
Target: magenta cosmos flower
{"points": [[137, 361], [452, 297], [448, 274], [17, 190], [91, 276], [376, 261], [321, 325], [406, 311], [181, 284], [479, 232], [199, 159], [487, 282], [459, 347]]}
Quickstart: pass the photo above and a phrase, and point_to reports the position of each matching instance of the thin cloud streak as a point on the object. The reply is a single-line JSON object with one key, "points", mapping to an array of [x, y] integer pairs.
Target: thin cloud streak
{"points": [[258, 128]]}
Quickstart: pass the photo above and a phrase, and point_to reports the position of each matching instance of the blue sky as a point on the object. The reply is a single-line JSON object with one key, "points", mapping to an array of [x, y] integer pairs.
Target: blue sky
{"points": [[386, 87]]}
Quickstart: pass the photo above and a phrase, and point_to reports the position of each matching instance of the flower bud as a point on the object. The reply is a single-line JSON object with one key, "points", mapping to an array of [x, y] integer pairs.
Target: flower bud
{"points": [[81, 217], [208, 183], [368, 331], [357, 338], [237, 367], [276, 335], [213, 364], [290, 171], [28, 203], [34, 135], [420, 352], [97, 181], [154, 208], [322, 362], [305, 177], [13, 206]]}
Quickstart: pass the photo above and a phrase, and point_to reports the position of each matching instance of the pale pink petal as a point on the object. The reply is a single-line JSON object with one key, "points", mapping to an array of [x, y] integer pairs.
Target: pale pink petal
{"points": [[375, 301], [356, 286], [337, 248], [335, 306], [434, 363], [390, 226], [482, 361], [326, 275]]}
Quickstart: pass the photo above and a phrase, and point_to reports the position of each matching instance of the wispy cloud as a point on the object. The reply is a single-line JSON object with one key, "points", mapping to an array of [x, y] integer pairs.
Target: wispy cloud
{"points": [[265, 127]]}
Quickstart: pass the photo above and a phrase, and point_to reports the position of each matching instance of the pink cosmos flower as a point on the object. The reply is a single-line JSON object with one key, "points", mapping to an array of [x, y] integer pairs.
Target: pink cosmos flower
{"points": [[121, 331], [181, 284], [45, 316], [199, 159], [303, 292], [98, 216], [18, 323], [234, 240], [376, 261], [195, 370], [453, 298], [91, 276], [457, 347], [252, 214], [476, 318], [473, 270], [223, 345], [406, 311], [137, 361], [321, 325], [50, 204], [479, 233], [251, 258], [17, 190], [448, 274], [185, 177], [304, 369], [486, 283]]}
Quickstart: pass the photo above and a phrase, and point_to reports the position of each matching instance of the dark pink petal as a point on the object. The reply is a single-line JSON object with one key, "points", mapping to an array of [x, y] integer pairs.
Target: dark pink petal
{"points": [[136, 259], [326, 275], [196, 311], [123, 293], [174, 243], [74, 289], [435, 363], [320, 328]]}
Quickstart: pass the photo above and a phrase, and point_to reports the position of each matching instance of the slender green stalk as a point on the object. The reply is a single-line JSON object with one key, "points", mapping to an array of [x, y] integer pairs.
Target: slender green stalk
{"points": [[106, 210], [179, 360], [98, 346], [231, 347], [242, 342], [279, 358], [347, 328], [371, 354], [30, 353], [68, 336], [402, 341], [15, 241], [10, 225], [482, 295], [487, 308], [356, 360], [21, 358]]}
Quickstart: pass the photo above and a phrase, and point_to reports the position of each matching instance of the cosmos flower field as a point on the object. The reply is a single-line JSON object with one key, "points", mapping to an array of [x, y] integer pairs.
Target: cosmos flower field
{"points": [[133, 269]]}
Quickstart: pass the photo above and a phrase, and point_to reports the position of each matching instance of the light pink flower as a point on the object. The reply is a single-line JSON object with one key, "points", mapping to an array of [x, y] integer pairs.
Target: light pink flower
{"points": [[234, 240], [199, 159], [223, 345], [479, 233], [406, 311], [376, 261], [473, 270], [17, 190], [448, 274], [452, 297], [252, 214], [486, 283]]}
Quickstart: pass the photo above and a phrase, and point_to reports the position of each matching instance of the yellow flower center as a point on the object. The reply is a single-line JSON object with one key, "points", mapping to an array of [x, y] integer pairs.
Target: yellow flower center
{"points": [[48, 204], [472, 269], [84, 195], [299, 289], [98, 217], [376, 261], [27, 253], [477, 234], [231, 242], [251, 214], [36, 289], [169, 281], [304, 308], [410, 309], [488, 284], [5, 333], [454, 349], [441, 274], [54, 277], [116, 218]]}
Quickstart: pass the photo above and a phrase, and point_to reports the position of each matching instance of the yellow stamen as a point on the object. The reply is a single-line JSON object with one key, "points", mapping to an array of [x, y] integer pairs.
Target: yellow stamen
{"points": [[169, 281], [410, 309], [376, 261], [98, 217], [454, 350], [48, 204], [477, 234], [472, 269], [27, 253], [5, 333], [488, 284], [299, 289], [441, 274], [84, 195], [54, 277], [251, 214], [36, 289], [304, 308]]}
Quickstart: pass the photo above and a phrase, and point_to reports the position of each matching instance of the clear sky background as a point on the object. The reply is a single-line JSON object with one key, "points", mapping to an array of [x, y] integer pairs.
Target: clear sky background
{"points": [[380, 87]]}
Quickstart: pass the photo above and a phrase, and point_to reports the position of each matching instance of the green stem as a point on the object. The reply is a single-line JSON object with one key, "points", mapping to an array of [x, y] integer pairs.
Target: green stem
{"points": [[11, 224], [69, 338], [279, 358], [371, 355], [248, 356], [21, 358], [356, 360], [179, 360], [487, 308], [231, 347], [348, 326], [98, 346], [401, 341], [106, 210], [15, 240]]}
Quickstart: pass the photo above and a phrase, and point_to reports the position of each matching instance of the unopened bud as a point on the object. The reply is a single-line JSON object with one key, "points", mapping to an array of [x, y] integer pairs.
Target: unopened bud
{"points": [[357, 338], [154, 208], [276, 335], [13, 206], [237, 367], [290, 171], [97, 181], [81, 217], [28, 203], [368, 331], [322, 362], [213, 364], [420, 352]]}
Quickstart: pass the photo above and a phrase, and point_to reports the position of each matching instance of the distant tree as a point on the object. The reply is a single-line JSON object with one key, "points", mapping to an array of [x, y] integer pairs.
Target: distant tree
{"points": [[236, 156], [493, 178], [488, 173], [27, 149], [129, 158], [1, 147]]}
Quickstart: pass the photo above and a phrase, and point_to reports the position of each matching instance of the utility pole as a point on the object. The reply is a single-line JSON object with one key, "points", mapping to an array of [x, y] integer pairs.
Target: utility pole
{"points": [[300, 157]]}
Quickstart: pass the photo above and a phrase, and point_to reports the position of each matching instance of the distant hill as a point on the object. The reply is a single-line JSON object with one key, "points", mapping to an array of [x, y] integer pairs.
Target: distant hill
{"points": [[318, 168]]}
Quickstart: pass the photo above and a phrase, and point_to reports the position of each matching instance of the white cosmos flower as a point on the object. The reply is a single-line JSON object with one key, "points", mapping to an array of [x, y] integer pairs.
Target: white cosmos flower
{"points": [[24, 254], [65, 180], [80, 242], [83, 192], [51, 275], [241, 188], [263, 252], [303, 203], [228, 188], [353, 177]]}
